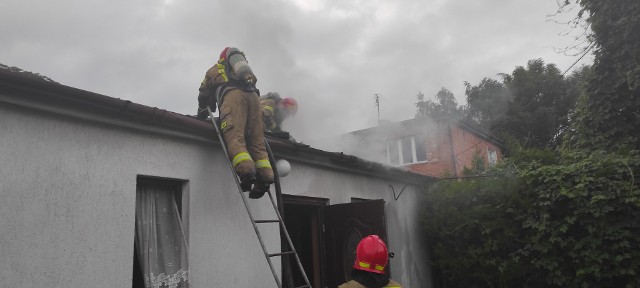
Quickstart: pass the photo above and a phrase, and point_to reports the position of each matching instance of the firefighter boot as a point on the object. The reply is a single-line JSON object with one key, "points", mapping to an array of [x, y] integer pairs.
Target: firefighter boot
{"points": [[259, 189], [246, 181]]}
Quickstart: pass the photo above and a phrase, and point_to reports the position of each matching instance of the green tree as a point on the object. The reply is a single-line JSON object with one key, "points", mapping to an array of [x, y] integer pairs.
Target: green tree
{"points": [[486, 102], [608, 112], [576, 83], [538, 110], [446, 105], [532, 105]]}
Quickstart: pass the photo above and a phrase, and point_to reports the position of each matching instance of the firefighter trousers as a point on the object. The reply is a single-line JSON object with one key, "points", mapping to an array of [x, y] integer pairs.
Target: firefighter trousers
{"points": [[243, 132]]}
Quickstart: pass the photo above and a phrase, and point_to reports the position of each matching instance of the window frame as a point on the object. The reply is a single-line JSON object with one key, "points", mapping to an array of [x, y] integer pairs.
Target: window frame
{"points": [[181, 196], [492, 155], [397, 142]]}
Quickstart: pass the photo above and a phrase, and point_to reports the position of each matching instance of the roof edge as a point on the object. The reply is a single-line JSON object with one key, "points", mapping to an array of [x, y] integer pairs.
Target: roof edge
{"points": [[62, 99]]}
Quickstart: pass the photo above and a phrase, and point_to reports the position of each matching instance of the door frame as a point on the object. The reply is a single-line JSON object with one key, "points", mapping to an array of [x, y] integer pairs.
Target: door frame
{"points": [[319, 204]]}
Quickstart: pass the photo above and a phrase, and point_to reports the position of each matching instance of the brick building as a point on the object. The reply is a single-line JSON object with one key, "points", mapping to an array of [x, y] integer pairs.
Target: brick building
{"points": [[441, 147]]}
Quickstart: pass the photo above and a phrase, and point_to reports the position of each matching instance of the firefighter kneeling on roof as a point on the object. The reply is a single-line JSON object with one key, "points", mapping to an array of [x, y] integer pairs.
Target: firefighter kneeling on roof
{"points": [[276, 109], [372, 257], [230, 84]]}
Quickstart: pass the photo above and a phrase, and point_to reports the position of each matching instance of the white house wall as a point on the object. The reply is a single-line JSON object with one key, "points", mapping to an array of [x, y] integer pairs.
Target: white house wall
{"points": [[68, 205], [409, 266]]}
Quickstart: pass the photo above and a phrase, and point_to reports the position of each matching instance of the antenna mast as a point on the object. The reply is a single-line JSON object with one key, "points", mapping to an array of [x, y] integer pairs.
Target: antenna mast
{"points": [[377, 98]]}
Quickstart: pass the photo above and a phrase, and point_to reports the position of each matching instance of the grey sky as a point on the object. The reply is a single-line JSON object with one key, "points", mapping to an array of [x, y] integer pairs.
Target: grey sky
{"points": [[332, 56]]}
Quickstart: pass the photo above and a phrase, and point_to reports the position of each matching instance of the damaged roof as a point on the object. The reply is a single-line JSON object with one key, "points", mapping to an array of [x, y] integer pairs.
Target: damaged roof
{"points": [[18, 89]]}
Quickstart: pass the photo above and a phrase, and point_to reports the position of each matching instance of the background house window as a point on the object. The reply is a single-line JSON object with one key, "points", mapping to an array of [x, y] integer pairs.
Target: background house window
{"points": [[420, 148], [492, 156], [406, 144], [393, 154], [406, 150]]}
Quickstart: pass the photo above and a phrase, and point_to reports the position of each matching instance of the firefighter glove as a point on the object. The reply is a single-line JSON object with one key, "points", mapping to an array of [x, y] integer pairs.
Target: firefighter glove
{"points": [[202, 113], [205, 99]]}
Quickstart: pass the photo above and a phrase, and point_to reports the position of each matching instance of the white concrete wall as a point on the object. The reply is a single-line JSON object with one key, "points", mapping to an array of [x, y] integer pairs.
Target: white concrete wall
{"points": [[68, 202], [68, 205]]}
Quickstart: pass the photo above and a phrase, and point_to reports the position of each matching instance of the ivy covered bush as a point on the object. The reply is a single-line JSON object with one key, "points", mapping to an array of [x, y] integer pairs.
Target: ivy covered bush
{"points": [[575, 223], [583, 229]]}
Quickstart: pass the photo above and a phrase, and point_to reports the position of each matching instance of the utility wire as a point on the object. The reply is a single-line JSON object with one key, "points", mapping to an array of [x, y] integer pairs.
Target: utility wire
{"points": [[585, 53]]}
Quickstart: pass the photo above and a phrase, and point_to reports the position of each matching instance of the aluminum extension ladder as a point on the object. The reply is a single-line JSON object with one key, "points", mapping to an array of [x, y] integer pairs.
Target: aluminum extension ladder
{"points": [[254, 222]]}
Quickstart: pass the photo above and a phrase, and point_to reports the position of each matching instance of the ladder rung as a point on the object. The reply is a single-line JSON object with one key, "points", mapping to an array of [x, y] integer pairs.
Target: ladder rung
{"points": [[283, 253], [283, 229], [267, 221]]}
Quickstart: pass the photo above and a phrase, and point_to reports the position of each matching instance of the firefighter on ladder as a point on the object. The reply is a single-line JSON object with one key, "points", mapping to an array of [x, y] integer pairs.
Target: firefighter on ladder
{"points": [[372, 257], [275, 109], [230, 84]]}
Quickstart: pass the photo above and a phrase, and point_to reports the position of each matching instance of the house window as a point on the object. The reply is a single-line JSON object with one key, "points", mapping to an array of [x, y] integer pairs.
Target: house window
{"points": [[393, 153], [160, 258], [406, 150], [406, 146], [420, 148], [492, 156]]}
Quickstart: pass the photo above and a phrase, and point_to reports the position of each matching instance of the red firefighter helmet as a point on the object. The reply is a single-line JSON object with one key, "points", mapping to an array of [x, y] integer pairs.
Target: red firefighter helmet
{"points": [[290, 105], [371, 255], [223, 54]]}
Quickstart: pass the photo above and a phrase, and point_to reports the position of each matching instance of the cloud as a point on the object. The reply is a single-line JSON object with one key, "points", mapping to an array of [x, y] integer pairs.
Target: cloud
{"points": [[332, 55]]}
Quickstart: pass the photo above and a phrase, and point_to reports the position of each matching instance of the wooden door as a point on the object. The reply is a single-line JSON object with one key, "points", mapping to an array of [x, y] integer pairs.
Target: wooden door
{"points": [[346, 224]]}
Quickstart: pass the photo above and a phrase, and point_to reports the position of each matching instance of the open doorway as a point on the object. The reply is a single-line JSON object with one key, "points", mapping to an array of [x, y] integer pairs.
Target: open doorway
{"points": [[303, 218], [345, 225], [325, 236]]}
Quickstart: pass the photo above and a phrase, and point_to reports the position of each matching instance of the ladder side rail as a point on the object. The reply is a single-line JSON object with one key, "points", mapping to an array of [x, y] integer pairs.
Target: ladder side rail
{"points": [[264, 248], [286, 261], [286, 233], [244, 199]]}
